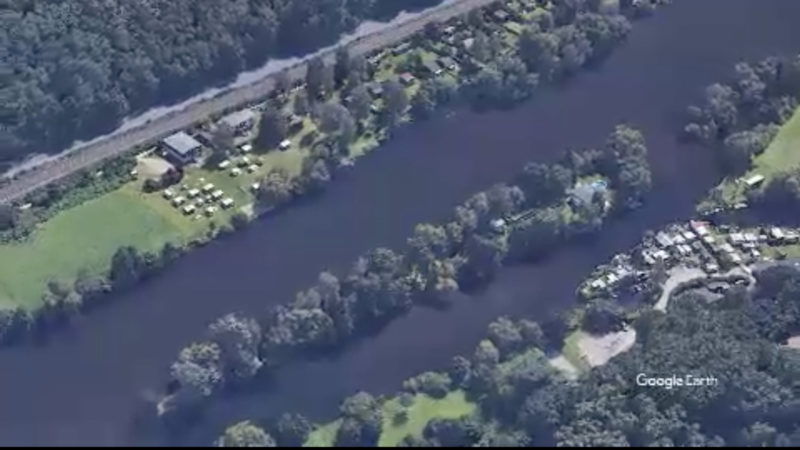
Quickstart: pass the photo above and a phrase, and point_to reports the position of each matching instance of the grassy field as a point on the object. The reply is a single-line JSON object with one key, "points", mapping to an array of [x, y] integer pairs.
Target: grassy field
{"points": [[572, 352], [781, 155], [84, 237], [422, 410], [783, 152]]}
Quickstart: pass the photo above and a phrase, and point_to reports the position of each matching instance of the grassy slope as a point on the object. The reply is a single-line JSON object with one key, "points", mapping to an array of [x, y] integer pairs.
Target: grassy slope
{"points": [[780, 156], [783, 152], [82, 237], [424, 409]]}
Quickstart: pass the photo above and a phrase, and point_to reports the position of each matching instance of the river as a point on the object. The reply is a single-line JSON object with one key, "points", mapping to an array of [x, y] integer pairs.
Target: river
{"points": [[86, 385]]}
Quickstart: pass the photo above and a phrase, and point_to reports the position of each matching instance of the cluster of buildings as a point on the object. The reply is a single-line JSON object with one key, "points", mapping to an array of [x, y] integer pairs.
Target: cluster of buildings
{"points": [[190, 200], [712, 248], [696, 243]]}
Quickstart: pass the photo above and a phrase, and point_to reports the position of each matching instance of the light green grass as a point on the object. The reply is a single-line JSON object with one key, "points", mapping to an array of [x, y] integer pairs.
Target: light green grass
{"points": [[572, 352], [783, 152], [422, 410], [84, 237], [324, 436]]}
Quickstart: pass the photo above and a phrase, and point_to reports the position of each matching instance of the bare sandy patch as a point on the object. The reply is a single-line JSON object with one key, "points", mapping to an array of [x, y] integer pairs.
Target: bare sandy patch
{"points": [[793, 342], [598, 350], [564, 366], [152, 166]]}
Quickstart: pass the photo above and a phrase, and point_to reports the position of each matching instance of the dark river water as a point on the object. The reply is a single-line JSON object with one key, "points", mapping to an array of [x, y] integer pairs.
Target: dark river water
{"points": [[87, 385]]}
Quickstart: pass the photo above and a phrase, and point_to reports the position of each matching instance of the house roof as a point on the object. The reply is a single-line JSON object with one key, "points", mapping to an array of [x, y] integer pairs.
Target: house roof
{"points": [[181, 143]]}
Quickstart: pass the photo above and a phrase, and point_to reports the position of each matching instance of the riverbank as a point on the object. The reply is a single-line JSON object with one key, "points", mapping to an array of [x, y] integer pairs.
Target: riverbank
{"points": [[237, 179], [82, 389]]}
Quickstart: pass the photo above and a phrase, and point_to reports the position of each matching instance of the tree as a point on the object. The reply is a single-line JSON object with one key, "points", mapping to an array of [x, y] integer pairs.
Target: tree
{"points": [[198, 372], [603, 316], [358, 71], [505, 335], [283, 82], [273, 128], [245, 434], [315, 78], [543, 183], [484, 257], [332, 117], [359, 103], [300, 105], [740, 147], [317, 176], [126, 268], [423, 103], [275, 189], [361, 421], [238, 339], [222, 140], [6, 217], [396, 102], [480, 49], [435, 384], [292, 430], [539, 50], [343, 65]]}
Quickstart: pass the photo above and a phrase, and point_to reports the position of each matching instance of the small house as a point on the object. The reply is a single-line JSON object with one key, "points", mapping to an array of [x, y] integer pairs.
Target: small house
{"points": [[168, 194], [663, 240], [407, 79], [402, 48], [500, 15], [246, 148], [178, 201], [208, 187], [754, 181], [375, 89], [227, 203], [224, 165], [431, 68], [447, 63], [189, 209], [240, 121], [216, 195], [193, 193], [210, 211], [285, 144], [181, 148]]}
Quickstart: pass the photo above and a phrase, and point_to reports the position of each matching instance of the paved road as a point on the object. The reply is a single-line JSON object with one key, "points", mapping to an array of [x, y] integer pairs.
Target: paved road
{"points": [[117, 144]]}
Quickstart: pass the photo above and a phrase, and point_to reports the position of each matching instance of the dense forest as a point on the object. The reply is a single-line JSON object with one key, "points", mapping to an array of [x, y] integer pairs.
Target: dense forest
{"points": [[73, 69], [523, 401]]}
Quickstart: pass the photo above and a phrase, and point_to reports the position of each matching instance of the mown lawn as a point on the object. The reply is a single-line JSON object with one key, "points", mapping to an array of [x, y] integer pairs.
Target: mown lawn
{"points": [[422, 410], [781, 155], [84, 237], [783, 152]]}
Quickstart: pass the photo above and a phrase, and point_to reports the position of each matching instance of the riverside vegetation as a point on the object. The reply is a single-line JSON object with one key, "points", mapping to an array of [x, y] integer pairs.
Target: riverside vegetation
{"points": [[519, 221], [522, 400], [554, 40]]}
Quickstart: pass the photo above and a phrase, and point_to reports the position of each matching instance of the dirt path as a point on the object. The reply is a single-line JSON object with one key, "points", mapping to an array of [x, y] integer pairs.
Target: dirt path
{"points": [[115, 145]]}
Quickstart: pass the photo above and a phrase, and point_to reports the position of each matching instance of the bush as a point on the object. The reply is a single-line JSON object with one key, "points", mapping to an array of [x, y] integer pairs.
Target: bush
{"points": [[435, 384]]}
